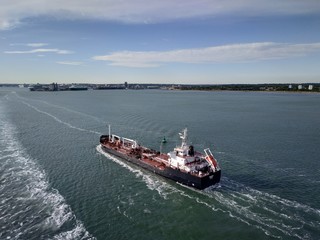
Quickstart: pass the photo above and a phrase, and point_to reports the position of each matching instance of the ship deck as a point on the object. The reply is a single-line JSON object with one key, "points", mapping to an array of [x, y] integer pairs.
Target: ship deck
{"points": [[183, 164], [148, 156]]}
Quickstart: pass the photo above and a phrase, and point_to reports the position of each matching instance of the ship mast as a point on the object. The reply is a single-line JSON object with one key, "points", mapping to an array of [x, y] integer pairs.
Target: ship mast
{"points": [[109, 127], [184, 137]]}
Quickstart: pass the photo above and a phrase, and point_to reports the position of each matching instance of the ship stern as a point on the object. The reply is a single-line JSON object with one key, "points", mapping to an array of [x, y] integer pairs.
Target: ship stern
{"points": [[212, 179]]}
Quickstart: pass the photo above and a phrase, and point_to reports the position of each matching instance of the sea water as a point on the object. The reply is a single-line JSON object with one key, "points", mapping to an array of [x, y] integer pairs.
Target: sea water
{"points": [[56, 183]]}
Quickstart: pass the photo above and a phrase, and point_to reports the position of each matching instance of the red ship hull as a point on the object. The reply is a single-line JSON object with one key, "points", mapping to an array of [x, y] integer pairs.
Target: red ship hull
{"points": [[157, 164]]}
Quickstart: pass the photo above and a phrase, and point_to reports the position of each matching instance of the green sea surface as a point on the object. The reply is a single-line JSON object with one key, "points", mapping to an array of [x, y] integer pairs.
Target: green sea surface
{"points": [[56, 183]]}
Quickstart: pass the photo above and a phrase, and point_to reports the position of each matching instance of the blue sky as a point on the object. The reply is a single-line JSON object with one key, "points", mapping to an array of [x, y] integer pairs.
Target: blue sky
{"points": [[176, 41]]}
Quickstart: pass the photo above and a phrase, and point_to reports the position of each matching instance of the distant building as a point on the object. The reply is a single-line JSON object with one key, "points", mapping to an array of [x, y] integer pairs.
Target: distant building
{"points": [[300, 87], [53, 87], [310, 87], [290, 86], [137, 87], [153, 87]]}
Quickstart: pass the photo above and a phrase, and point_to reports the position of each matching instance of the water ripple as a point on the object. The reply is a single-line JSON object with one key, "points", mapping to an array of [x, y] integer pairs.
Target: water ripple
{"points": [[29, 206]]}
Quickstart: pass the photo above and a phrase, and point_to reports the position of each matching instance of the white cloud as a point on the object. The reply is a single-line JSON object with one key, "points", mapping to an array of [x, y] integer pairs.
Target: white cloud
{"points": [[12, 12], [7, 22], [71, 63], [216, 54], [29, 44], [41, 50], [37, 44]]}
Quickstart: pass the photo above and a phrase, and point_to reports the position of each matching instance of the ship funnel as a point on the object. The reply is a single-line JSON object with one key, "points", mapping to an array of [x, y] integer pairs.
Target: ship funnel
{"points": [[191, 151]]}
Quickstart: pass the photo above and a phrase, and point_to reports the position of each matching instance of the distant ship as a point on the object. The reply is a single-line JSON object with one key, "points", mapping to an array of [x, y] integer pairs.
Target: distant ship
{"points": [[109, 87], [183, 165], [77, 88]]}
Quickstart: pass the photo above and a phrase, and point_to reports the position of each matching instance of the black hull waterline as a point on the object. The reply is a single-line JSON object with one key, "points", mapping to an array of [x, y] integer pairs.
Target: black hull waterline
{"points": [[199, 182]]}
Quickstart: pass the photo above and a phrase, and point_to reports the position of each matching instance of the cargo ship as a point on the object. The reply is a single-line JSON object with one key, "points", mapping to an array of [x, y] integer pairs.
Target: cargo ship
{"points": [[183, 164], [77, 88]]}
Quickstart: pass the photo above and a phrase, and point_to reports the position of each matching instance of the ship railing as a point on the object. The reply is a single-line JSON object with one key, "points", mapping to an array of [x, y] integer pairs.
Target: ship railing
{"points": [[160, 160], [115, 137], [129, 141]]}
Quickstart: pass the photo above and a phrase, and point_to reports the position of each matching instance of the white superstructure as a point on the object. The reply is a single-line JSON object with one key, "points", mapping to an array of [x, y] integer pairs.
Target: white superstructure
{"points": [[185, 158]]}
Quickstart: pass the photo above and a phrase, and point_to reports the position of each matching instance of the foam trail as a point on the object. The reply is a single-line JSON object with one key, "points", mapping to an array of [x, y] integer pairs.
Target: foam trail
{"points": [[61, 107], [60, 121], [152, 182], [153, 127], [29, 206], [274, 216]]}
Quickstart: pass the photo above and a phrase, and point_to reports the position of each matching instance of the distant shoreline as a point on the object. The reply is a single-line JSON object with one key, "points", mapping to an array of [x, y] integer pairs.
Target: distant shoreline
{"points": [[276, 87], [253, 91]]}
